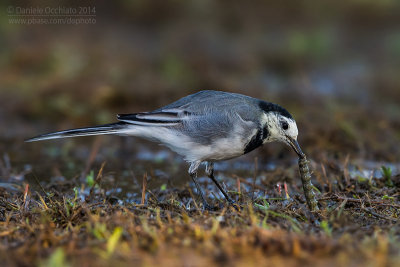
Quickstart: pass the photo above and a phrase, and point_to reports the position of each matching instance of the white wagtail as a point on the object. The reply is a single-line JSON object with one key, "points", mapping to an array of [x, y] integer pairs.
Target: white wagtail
{"points": [[207, 126]]}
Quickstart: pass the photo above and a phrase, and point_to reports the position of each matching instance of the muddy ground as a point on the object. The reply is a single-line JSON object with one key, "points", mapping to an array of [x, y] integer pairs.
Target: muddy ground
{"points": [[98, 218]]}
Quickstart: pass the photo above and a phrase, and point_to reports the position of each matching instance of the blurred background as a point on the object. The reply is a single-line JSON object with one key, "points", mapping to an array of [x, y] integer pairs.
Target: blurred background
{"points": [[334, 65]]}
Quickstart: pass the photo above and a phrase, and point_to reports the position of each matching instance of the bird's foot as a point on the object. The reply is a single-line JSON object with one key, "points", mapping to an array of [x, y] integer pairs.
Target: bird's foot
{"points": [[208, 207], [233, 204]]}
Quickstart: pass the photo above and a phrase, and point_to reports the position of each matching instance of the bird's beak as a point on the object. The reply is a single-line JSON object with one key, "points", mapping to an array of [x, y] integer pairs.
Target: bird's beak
{"points": [[295, 145]]}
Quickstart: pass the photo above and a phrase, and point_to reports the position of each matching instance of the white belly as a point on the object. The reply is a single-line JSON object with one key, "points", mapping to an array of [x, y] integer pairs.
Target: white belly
{"points": [[219, 149]]}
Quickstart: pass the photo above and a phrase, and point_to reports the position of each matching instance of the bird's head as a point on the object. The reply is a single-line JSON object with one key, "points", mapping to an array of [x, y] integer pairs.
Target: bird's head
{"points": [[281, 127]]}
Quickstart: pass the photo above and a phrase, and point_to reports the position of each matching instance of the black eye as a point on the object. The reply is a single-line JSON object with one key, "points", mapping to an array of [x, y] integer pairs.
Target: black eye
{"points": [[285, 125]]}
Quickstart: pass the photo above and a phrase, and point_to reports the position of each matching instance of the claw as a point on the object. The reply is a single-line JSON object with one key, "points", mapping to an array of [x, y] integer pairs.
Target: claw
{"points": [[234, 205], [208, 207]]}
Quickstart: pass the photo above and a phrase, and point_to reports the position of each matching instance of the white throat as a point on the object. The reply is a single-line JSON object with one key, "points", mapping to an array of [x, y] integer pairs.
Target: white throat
{"points": [[276, 133]]}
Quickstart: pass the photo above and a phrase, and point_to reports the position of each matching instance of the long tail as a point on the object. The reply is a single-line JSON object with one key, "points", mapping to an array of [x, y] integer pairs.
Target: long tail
{"points": [[112, 128]]}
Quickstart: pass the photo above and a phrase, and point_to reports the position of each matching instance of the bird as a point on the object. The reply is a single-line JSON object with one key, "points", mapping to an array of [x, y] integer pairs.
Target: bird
{"points": [[204, 127]]}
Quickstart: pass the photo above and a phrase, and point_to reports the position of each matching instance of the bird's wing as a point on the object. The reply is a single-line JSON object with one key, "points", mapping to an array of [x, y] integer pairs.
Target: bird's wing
{"points": [[215, 102], [206, 105], [166, 117]]}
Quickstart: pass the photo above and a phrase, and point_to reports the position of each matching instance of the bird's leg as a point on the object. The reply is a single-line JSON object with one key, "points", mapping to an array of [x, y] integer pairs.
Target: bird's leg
{"points": [[205, 204], [210, 174], [193, 174]]}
